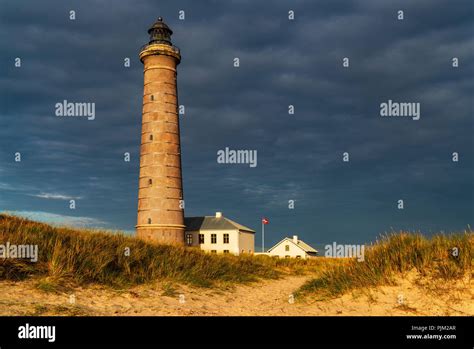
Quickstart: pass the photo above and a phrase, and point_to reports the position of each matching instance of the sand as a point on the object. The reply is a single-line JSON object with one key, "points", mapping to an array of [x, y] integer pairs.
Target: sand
{"points": [[411, 295]]}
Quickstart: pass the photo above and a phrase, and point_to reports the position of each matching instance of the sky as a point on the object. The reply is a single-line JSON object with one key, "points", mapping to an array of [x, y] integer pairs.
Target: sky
{"points": [[283, 62]]}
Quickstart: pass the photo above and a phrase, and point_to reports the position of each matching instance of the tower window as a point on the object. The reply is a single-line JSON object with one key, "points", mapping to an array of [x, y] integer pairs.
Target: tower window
{"points": [[151, 137], [150, 181], [152, 97], [149, 220]]}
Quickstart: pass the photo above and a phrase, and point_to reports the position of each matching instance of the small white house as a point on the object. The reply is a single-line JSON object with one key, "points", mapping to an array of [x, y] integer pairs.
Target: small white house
{"points": [[218, 234], [292, 248]]}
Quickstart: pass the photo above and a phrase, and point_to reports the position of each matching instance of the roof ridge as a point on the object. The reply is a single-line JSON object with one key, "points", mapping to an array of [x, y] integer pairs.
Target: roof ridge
{"points": [[238, 225], [304, 246], [218, 221]]}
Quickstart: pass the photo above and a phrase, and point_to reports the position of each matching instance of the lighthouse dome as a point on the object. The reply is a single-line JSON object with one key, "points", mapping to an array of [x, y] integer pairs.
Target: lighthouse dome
{"points": [[160, 33]]}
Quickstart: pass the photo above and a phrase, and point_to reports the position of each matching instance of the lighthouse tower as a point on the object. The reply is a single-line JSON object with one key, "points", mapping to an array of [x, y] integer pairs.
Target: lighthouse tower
{"points": [[160, 193]]}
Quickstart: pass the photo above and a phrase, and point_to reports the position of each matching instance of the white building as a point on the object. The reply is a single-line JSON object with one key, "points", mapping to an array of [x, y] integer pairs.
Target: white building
{"points": [[292, 248], [218, 234]]}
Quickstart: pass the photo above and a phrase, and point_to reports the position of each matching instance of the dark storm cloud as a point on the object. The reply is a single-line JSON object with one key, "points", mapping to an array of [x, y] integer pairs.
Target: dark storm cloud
{"points": [[282, 62]]}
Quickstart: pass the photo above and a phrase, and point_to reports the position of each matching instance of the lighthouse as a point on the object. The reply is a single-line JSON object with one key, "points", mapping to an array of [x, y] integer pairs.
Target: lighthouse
{"points": [[160, 193]]}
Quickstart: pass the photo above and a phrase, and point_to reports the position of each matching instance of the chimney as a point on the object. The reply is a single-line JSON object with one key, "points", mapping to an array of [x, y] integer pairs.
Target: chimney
{"points": [[295, 239], [218, 214]]}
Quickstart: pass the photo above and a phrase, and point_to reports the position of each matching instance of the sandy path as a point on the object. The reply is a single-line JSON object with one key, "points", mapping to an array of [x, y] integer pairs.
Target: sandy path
{"points": [[269, 297]]}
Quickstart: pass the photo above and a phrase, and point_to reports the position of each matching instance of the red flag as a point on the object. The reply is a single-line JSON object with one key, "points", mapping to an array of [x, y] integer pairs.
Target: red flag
{"points": [[265, 220]]}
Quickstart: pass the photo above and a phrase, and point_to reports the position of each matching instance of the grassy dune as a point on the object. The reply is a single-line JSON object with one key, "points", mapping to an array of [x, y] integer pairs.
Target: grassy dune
{"points": [[72, 257], [396, 254]]}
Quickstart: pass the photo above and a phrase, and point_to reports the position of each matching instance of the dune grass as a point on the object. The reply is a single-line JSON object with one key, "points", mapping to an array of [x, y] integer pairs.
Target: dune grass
{"points": [[396, 254], [85, 256], [75, 257]]}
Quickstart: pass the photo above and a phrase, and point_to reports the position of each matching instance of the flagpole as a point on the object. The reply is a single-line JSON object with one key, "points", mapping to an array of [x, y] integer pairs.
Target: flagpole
{"points": [[263, 237]]}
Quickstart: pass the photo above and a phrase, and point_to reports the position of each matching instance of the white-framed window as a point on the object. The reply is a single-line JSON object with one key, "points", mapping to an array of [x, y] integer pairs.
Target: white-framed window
{"points": [[213, 238], [201, 238], [287, 247], [226, 238], [189, 239], [226, 251]]}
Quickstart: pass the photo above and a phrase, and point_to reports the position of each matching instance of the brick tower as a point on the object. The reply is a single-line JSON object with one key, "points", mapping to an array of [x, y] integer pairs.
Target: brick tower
{"points": [[160, 190]]}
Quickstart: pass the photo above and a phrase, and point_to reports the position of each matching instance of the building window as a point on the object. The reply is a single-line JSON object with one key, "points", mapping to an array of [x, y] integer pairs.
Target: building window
{"points": [[298, 256], [189, 239], [152, 97], [213, 251], [226, 251], [149, 220], [213, 238], [287, 256], [226, 238], [201, 238], [151, 137], [150, 181], [243, 251], [287, 247]]}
